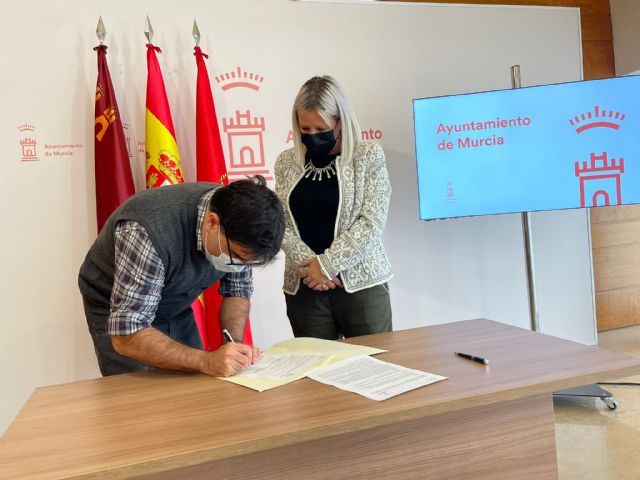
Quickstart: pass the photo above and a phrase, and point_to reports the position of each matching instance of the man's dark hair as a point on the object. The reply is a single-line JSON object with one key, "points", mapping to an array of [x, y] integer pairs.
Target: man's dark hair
{"points": [[251, 215]]}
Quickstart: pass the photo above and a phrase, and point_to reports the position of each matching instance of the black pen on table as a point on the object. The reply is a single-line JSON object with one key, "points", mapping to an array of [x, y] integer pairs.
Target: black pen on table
{"points": [[228, 336], [484, 361]]}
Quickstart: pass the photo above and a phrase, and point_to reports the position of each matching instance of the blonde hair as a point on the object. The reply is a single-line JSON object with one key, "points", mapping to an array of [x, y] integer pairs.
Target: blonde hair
{"points": [[325, 96]]}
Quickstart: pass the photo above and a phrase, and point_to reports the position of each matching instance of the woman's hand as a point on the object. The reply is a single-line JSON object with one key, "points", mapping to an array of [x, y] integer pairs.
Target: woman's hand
{"points": [[312, 276]]}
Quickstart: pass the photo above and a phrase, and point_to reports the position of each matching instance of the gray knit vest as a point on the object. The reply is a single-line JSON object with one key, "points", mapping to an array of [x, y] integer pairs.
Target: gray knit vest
{"points": [[170, 216]]}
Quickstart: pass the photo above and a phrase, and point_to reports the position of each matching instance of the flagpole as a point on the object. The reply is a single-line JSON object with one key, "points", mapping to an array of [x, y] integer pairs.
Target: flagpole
{"points": [[148, 30], [211, 167], [203, 321], [195, 31], [101, 32]]}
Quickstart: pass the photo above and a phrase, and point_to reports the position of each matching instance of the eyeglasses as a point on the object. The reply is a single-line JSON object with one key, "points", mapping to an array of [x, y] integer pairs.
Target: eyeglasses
{"points": [[249, 263]]}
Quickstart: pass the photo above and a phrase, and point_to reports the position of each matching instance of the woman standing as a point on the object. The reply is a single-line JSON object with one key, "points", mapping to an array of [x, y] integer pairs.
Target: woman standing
{"points": [[335, 191]]}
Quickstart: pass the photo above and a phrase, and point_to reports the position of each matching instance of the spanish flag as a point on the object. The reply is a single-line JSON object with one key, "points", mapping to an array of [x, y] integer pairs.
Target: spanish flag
{"points": [[162, 155], [211, 168]]}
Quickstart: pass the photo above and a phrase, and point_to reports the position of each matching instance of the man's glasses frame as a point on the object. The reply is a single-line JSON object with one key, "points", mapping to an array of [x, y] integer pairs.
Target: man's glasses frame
{"points": [[248, 263]]}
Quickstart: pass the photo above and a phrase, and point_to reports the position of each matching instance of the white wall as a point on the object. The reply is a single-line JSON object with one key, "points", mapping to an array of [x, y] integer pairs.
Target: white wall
{"points": [[384, 55], [625, 18]]}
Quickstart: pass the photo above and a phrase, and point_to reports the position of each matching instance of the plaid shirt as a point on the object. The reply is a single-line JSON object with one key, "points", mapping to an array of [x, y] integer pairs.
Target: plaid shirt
{"points": [[139, 276]]}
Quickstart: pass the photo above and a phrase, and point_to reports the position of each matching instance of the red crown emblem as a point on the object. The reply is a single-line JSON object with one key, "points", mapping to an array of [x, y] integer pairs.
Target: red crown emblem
{"points": [[597, 119], [169, 165], [25, 127], [239, 79], [27, 141]]}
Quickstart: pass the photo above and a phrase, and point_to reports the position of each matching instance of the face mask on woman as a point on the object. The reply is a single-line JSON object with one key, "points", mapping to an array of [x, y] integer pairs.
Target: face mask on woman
{"points": [[319, 143]]}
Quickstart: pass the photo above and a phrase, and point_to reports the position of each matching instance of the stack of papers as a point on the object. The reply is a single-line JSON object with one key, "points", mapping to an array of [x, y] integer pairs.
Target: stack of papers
{"points": [[287, 366], [348, 367]]}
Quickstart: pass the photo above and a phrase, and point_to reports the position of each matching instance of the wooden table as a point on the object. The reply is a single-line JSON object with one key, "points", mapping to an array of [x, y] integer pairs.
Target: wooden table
{"points": [[492, 422]]}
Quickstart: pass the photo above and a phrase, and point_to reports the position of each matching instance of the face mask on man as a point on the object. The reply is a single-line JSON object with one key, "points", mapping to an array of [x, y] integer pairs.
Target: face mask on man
{"points": [[319, 143], [221, 262]]}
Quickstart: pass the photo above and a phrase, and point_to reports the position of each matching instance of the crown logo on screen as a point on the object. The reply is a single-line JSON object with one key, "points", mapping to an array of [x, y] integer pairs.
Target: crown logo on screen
{"points": [[599, 118], [239, 79]]}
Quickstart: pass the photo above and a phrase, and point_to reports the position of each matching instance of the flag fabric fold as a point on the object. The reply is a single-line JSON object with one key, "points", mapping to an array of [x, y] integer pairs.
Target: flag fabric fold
{"points": [[211, 167], [114, 181]]}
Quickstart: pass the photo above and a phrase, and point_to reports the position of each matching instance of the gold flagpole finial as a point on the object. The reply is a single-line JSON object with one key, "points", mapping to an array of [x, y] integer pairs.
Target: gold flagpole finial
{"points": [[196, 32], [101, 32], [148, 30]]}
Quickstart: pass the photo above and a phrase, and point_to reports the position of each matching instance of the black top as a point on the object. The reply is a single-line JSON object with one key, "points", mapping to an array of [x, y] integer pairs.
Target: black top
{"points": [[314, 205]]}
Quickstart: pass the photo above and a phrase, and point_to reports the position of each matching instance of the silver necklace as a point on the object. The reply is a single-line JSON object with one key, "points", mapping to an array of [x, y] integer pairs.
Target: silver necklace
{"points": [[310, 170]]}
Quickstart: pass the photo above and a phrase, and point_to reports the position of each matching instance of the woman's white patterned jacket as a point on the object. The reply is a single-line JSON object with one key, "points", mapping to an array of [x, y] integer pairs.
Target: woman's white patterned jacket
{"points": [[357, 253]]}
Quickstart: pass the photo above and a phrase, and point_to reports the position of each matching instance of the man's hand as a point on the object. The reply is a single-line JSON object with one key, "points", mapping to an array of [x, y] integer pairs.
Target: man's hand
{"points": [[154, 348], [229, 359]]}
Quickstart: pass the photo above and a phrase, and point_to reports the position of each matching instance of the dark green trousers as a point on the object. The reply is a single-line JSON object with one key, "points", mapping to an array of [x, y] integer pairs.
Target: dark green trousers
{"points": [[334, 314]]}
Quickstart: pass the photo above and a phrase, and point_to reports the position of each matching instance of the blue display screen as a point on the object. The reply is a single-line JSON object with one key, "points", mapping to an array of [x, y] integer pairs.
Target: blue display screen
{"points": [[550, 147]]}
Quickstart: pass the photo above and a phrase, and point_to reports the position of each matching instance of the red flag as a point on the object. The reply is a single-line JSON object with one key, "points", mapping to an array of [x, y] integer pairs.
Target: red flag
{"points": [[211, 168], [114, 182]]}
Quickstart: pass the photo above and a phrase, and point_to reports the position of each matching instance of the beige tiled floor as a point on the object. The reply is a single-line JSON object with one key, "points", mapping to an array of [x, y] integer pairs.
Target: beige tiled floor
{"points": [[594, 442]]}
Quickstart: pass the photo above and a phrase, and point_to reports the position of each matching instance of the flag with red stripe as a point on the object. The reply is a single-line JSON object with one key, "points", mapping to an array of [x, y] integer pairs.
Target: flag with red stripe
{"points": [[210, 168]]}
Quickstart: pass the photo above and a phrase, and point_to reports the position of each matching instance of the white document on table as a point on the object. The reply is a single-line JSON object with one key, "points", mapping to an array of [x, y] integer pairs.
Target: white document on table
{"points": [[373, 378], [329, 351], [283, 366]]}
